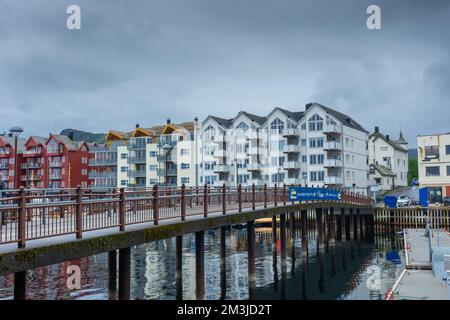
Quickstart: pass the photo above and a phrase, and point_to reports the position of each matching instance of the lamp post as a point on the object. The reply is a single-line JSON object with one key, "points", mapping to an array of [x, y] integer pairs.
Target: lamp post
{"points": [[15, 132]]}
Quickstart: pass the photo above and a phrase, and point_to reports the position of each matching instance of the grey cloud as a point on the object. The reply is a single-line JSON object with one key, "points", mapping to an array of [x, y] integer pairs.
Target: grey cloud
{"points": [[143, 61]]}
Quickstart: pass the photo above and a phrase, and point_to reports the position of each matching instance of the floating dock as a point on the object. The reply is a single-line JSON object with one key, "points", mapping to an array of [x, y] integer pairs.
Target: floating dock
{"points": [[424, 277]]}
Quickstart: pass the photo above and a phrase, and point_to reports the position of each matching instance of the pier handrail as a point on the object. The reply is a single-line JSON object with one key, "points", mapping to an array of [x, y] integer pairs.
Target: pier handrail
{"points": [[28, 214]]}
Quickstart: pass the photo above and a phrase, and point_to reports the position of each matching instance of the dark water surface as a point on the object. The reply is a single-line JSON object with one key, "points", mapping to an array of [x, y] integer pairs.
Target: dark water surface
{"points": [[339, 271]]}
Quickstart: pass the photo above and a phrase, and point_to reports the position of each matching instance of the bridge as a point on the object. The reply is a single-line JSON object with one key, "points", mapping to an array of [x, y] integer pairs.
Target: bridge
{"points": [[43, 227]]}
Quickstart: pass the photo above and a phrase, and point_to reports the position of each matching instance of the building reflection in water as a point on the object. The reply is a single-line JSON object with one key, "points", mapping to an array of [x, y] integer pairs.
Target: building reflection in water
{"points": [[336, 272]]}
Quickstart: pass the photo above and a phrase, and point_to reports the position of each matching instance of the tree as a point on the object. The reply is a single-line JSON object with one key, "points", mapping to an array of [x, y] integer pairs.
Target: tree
{"points": [[413, 170]]}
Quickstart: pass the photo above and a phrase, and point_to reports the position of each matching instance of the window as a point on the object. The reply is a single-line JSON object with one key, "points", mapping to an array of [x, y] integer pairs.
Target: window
{"points": [[372, 170], [304, 159], [123, 156], [185, 166], [432, 171], [84, 172], [152, 154], [277, 125], [312, 159], [315, 123], [448, 170], [432, 152], [303, 127], [153, 167], [347, 158], [184, 152], [123, 169], [303, 142], [447, 149], [321, 175], [316, 142], [347, 142], [320, 159], [353, 159], [123, 183], [313, 176], [184, 180]]}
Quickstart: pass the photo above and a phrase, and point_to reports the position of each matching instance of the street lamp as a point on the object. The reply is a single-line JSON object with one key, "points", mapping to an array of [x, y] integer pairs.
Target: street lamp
{"points": [[15, 132]]}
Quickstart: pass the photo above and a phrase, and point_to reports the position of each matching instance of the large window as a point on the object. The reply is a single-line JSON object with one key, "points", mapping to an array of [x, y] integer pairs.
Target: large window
{"points": [[447, 149], [448, 171], [315, 123], [432, 171], [432, 151], [277, 125]]}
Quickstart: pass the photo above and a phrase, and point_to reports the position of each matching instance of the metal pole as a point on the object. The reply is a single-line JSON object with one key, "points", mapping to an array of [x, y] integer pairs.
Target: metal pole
{"points": [[124, 273]]}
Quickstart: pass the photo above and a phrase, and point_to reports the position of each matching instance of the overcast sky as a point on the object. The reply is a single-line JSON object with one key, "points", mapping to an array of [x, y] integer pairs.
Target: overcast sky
{"points": [[141, 61]]}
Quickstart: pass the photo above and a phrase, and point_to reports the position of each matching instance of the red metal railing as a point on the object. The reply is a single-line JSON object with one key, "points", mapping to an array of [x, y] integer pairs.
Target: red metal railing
{"points": [[36, 214]]}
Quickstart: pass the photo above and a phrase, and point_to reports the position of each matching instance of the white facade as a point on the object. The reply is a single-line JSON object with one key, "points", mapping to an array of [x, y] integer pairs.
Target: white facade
{"points": [[389, 159], [434, 164], [316, 147]]}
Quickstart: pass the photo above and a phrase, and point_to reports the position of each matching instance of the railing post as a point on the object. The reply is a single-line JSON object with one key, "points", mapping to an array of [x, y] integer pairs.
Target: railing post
{"points": [[205, 200], [155, 206], [253, 197], [79, 213], [196, 197], [265, 195], [240, 197], [284, 194], [183, 202], [22, 218], [122, 209], [275, 195], [224, 199]]}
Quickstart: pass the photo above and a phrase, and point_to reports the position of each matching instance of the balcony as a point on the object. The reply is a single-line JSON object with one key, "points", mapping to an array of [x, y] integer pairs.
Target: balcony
{"points": [[136, 174], [254, 167], [220, 153], [257, 182], [332, 129], [291, 148], [98, 175], [222, 168], [330, 163], [54, 176], [291, 132], [331, 180], [170, 172], [4, 165], [54, 164], [136, 146], [291, 165], [138, 159], [294, 181], [103, 162], [332, 145], [32, 152]]}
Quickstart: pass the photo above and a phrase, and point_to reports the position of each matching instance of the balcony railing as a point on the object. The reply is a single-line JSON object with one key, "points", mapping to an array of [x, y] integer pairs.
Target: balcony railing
{"points": [[103, 162], [294, 181], [291, 132], [55, 164], [332, 128], [136, 173], [55, 176], [222, 168], [139, 159], [332, 145], [254, 167], [31, 152], [170, 172], [331, 180], [333, 163], [291, 148], [291, 165], [96, 175], [257, 182]]}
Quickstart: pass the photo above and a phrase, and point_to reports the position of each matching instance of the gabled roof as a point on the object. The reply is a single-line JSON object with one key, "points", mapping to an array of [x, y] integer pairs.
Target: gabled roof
{"points": [[296, 116], [226, 123], [70, 144], [392, 143], [343, 118], [259, 120], [384, 171], [10, 141]]}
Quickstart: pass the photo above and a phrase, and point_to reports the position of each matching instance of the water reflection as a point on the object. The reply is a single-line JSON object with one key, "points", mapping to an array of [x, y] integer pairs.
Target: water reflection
{"points": [[337, 271]]}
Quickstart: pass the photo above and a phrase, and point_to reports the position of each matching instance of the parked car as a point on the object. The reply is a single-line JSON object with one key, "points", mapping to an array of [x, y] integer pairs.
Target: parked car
{"points": [[446, 201], [403, 201]]}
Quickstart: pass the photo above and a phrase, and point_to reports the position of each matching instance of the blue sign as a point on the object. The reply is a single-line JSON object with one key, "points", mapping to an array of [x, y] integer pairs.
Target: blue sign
{"points": [[308, 194]]}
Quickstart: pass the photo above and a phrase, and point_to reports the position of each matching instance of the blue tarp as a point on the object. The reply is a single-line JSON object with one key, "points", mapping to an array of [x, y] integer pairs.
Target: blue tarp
{"points": [[390, 201], [423, 197]]}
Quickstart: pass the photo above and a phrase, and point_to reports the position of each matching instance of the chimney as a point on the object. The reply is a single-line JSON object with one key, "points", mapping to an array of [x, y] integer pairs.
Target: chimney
{"points": [[377, 129], [137, 125], [168, 120], [387, 137]]}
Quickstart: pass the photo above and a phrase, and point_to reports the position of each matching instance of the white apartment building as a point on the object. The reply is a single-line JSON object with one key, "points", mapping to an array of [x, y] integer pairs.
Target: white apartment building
{"points": [[388, 161], [160, 155], [318, 146], [434, 164]]}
